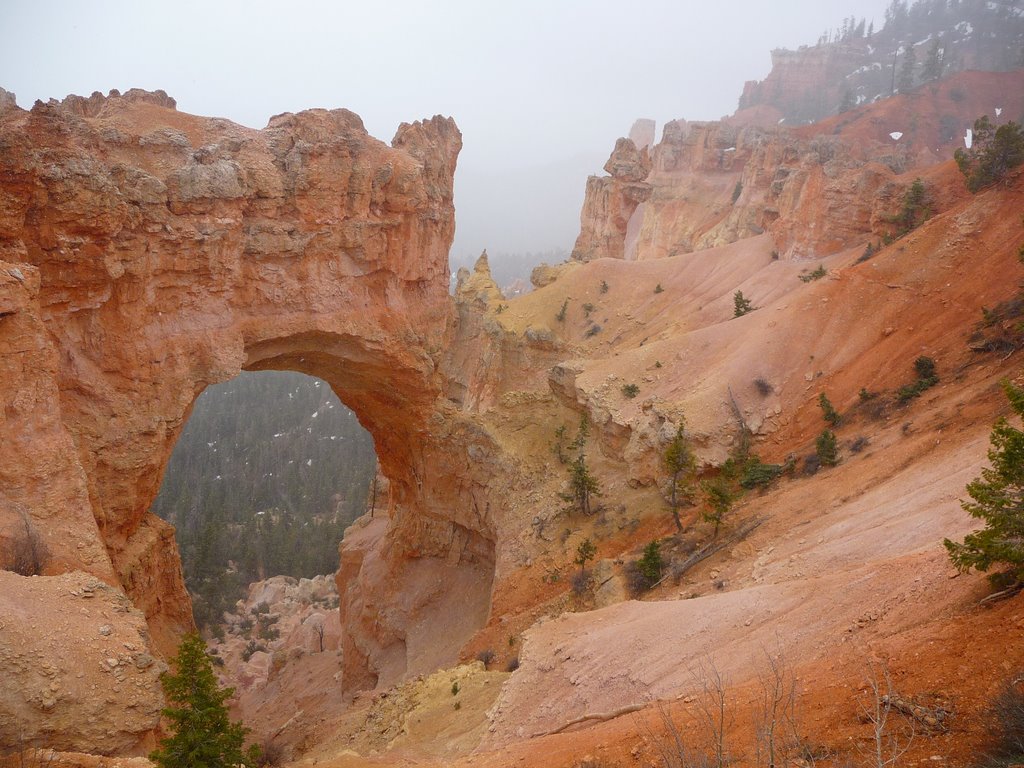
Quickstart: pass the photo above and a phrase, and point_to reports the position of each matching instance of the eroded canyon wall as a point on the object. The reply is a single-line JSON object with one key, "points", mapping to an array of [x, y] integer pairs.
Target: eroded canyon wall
{"points": [[816, 189]]}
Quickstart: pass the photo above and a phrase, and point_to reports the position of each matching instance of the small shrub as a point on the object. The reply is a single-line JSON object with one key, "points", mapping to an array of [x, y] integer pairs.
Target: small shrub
{"points": [[764, 388], [25, 552], [924, 367], [513, 664], [869, 251], [758, 475], [916, 208], [630, 390], [457, 705], [604, 287], [859, 444], [245, 625], [1006, 727], [592, 330], [252, 647], [455, 688], [588, 308], [741, 305], [926, 378], [643, 574], [657, 363], [865, 395], [486, 656], [658, 288], [826, 449], [272, 754], [811, 464], [830, 414], [560, 317], [817, 274], [580, 582]]}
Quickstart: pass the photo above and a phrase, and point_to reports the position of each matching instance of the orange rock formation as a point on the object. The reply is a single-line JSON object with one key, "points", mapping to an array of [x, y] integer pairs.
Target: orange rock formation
{"points": [[147, 254]]}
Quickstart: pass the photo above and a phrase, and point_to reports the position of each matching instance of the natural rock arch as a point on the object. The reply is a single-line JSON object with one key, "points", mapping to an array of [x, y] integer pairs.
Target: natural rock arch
{"points": [[145, 254]]}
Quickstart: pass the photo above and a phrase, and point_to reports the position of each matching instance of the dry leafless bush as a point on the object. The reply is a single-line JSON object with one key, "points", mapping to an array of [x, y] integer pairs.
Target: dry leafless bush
{"points": [[24, 552]]}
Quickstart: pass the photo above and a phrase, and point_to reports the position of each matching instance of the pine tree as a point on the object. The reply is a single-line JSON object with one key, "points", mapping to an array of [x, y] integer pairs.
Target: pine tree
{"points": [[585, 552], [993, 153], [906, 83], [933, 64], [829, 413], [998, 499], [682, 466], [204, 736], [582, 486], [719, 498], [651, 564], [741, 304], [827, 449]]}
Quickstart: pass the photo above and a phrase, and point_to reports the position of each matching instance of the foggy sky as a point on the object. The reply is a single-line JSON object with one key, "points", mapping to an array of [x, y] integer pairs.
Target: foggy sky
{"points": [[540, 88]]}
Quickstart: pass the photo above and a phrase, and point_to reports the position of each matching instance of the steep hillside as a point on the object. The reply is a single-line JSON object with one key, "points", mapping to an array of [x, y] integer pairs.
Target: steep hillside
{"points": [[520, 592], [837, 571]]}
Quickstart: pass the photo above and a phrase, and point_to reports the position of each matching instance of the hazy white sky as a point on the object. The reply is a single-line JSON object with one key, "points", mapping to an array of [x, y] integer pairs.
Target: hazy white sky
{"points": [[532, 84]]}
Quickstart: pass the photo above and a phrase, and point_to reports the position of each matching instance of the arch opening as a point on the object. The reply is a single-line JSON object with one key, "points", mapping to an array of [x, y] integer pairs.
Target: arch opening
{"points": [[267, 473]]}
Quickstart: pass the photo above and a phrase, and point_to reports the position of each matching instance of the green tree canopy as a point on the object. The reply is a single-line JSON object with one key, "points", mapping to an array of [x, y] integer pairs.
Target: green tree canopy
{"points": [[204, 736], [741, 305], [681, 465], [993, 153], [827, 449], [719, 498], [998, 499]]}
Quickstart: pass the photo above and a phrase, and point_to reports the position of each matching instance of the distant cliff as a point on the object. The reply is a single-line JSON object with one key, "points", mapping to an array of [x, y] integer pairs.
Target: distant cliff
{"points": [[853, 65]]}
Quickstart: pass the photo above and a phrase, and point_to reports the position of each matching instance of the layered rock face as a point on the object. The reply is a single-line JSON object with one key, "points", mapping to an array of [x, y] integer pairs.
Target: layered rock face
{"points": [[804, 85], [148, 253], [816, 190]]}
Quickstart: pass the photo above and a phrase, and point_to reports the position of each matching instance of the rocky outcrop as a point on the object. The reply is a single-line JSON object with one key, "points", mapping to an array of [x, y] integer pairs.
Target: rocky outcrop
{"points": [[806, 84], [150, 253], [280, 620], [478, 287], [642, 133], [816, 189], [610, 202], [855, 66], [102, 697]]}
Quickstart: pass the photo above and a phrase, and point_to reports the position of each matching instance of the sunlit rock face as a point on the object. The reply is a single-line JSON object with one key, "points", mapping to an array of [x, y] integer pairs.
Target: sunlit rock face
{"points": [[148, 254]]}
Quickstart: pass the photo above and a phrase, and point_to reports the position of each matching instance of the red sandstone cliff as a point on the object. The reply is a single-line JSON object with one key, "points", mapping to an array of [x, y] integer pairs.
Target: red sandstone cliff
{"points": [[148, 253], [815, 189]]}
